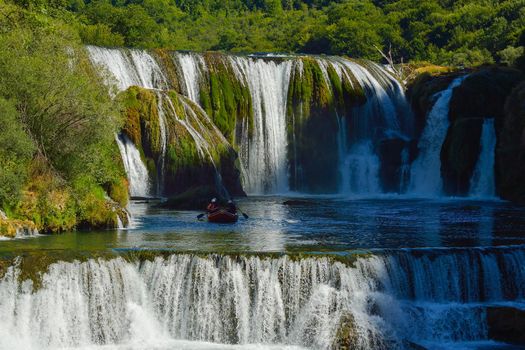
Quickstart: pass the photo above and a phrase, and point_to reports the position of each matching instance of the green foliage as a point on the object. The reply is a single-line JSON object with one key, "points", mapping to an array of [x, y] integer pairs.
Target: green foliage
{"points": [[100, 34], [16, 150], [468, 32], [57, 147], [463, 33], [510, 55]]}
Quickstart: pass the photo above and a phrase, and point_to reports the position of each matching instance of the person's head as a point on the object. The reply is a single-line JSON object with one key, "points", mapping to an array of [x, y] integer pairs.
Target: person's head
{"points": [[214, 200], [230, 202]]}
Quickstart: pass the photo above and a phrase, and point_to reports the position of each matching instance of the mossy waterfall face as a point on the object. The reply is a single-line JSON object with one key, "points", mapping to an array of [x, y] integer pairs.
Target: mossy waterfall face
{"points": [[379, 301], [274, 124]]}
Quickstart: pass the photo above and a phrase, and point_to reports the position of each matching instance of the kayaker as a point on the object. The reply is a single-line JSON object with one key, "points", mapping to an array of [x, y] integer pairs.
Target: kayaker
{"points": [[212, 206], [232, 208]]}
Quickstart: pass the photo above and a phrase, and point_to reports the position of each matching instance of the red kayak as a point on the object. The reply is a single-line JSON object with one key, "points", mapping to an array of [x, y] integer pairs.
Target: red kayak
{"points": [[222, 216]]}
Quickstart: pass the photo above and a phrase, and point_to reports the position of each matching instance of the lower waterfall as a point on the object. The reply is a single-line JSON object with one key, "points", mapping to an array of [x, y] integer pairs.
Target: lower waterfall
{"points": [[425, 173], [379, 301], [483, 183], [139, 184]]}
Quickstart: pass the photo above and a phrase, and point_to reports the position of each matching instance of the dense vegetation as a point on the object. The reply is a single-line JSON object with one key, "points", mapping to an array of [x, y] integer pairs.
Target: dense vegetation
{"points": [[57, 123], [448, 32]]}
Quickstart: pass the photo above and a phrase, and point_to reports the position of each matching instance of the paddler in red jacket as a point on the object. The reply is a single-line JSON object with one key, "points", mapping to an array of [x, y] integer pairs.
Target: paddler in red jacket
{"points": [[212, 206]]}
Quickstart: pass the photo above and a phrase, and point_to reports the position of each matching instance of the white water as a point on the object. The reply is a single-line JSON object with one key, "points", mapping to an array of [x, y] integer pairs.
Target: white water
{"points": [[384, 114], [379, 110], [139, 184], [129, 67], [192, 67], [483, 183], [360, 171], [187, 301], [425, 177], [264, 155], [163, 142]]}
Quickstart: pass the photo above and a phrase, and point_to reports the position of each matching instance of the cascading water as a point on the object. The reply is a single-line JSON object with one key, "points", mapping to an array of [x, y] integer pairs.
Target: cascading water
{"points": [[361, 169], [383, 114], [192, 67], [423, 297], [264, 155], [425, 177], [163, 142], [139, 184], [483, 183], [129, 67]]}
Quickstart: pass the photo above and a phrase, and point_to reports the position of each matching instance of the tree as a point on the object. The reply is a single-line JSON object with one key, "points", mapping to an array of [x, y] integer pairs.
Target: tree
{"points": [[16, 150], [510, 55]]}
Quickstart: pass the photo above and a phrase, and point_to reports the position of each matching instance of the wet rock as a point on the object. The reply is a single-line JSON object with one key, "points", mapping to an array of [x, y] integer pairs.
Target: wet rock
{"points": [[391, 155], [193, 152], [196, 198], [459, 155], [421, 93], [510, 154], [16, 228], [346, 337], [481, 95], [506, 324]]}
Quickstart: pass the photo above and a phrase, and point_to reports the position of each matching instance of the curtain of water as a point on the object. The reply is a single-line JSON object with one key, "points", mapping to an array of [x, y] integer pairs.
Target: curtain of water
{"points": [[425, 177], [483, 183], [421, 296]]}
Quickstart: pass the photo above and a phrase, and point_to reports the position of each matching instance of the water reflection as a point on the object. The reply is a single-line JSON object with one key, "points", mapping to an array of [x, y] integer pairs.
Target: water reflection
{"points": [[315, 224]]}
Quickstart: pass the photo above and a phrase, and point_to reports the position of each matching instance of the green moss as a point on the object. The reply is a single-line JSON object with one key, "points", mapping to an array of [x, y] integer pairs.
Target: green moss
{"points": [[118, 191], [225, 99], [141, 120], [169, 68]]}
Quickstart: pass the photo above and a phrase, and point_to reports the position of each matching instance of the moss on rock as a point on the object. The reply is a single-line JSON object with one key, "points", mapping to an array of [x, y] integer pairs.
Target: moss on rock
{"points": [[226, 99], [346, 337], [316, 104], [13, 227]]}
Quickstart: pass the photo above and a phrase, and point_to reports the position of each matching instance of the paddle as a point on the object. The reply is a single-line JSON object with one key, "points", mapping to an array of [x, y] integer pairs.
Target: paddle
{"points": [[243, 213], [200, 216]]}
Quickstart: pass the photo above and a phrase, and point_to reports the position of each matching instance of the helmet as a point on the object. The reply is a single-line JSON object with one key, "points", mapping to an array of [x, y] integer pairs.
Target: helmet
{"points": [[214, 200], [230, 201]]}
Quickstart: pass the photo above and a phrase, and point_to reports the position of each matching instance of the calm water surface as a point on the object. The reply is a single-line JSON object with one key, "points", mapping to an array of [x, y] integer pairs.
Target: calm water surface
{"points": [[323, 225]]}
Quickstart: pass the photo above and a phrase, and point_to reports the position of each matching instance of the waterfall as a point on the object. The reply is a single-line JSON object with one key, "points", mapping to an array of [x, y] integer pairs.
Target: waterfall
{"points": [[163, 142], [264, 155], [380, 110], [404, 170], [192, 67], [483, 183], [421, 296], [139, 184], [385, 114], [360, 170], [425, 177], [129, 67], [263, 149]]}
